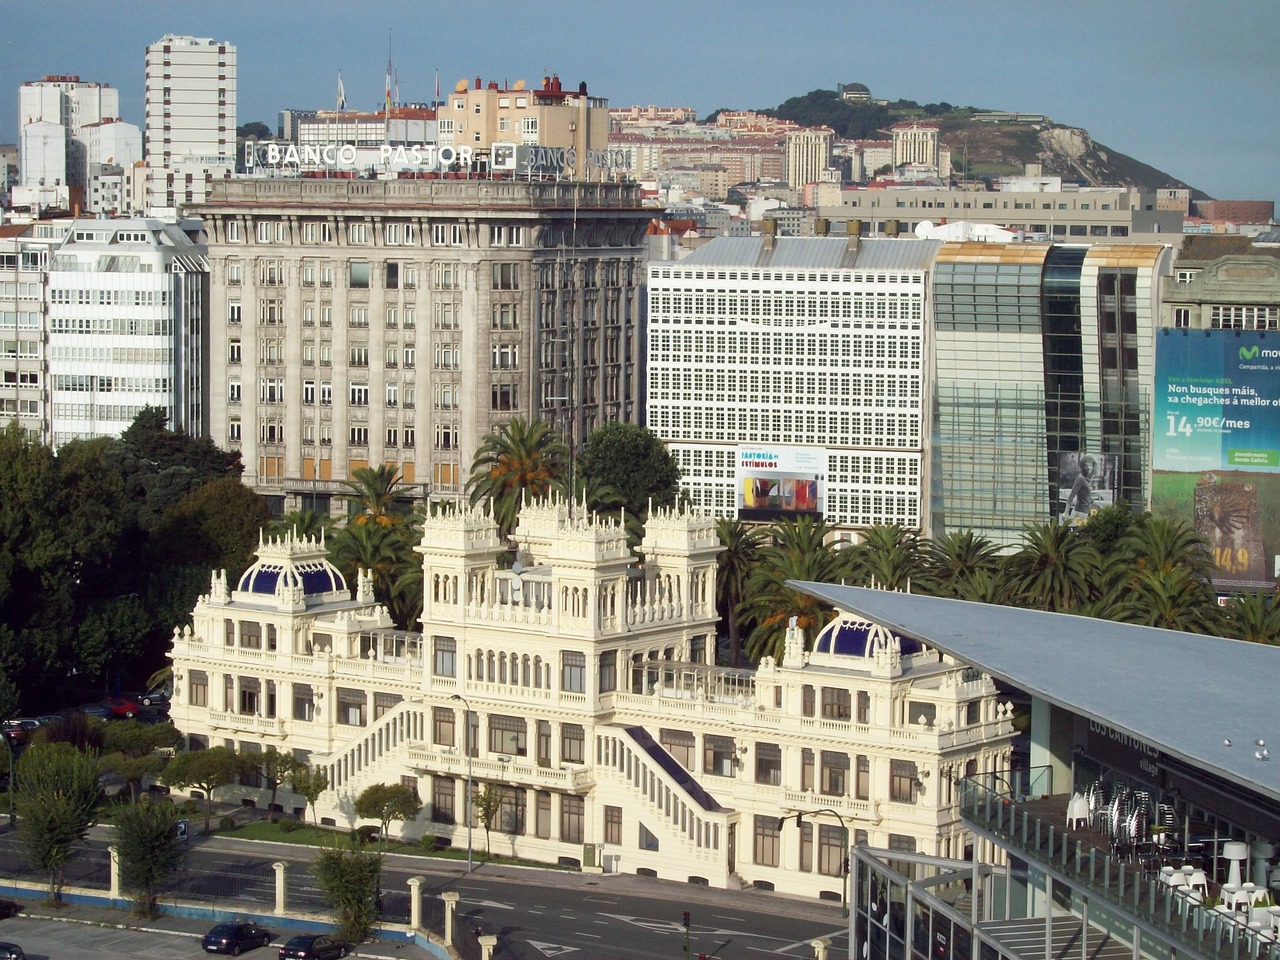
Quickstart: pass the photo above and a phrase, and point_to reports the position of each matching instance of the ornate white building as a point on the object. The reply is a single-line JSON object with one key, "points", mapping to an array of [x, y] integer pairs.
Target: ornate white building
{"points": [[584, 684]]}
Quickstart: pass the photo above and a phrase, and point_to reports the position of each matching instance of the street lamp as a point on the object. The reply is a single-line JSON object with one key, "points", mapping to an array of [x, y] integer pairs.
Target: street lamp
{"points": [[846, 866], [466, 740]]}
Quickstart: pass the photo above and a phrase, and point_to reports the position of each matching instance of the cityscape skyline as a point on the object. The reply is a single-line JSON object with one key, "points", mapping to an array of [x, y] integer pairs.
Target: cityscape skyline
{"points": [[1158, 83]]}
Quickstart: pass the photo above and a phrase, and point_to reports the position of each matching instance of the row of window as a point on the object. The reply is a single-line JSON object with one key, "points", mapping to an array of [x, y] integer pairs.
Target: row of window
{"points": [[110, 298], [395, 233]]}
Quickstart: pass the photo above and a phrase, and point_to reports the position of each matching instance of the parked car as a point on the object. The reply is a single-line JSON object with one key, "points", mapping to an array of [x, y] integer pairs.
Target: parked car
{"points": [[98, 710], [313, 946], [11, 951], [233, 938], [9, 908], [155, 698], [18, 732], [122, 706]]}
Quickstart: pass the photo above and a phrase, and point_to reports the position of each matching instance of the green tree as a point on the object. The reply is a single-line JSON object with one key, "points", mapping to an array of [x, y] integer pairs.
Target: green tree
{"points": [[888, 557], [380, 550], [204, 770], [741, 553], [55, 800], [255, 129], [486, 802], [857, 120], [146, 835], [385, 802], [309, 782], [349, 879], [275, 767], [521, 458], [1254, 617], [303, 524], [952, 562], [132, 750], [800, 550], [635, 462], [1054, 569], [1109, 525], [373, 492], [216, 525]]}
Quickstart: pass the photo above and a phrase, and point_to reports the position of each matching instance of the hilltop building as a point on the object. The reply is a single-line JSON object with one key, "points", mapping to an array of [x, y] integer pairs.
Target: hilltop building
{"points": [[582, 688]]}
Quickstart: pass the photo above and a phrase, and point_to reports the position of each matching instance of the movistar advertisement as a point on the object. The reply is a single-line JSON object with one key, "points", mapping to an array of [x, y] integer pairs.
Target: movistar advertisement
{"points": [[1216, 451], [775, 482]]}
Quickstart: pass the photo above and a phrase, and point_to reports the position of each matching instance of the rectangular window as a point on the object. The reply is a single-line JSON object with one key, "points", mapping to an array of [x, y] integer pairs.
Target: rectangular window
{"points": [[680, 744], [831, 850], [807, 700], [864, 707], [717, 756], [197, 688], [573, 672], [769, 764], [351, 707], [836, 704], [1182, 317], [571, 819], [443, 732], [304, 703], [862, 785], [391, 276], [902, 781], [443, 792], [767, 841], [504, 397], [835, 773], [613, 825], [508, 735], [806, 769], [445, 662], [608, 672], [542, 815], [506, 276], [358, 275], [572, 743], [511, 810]]}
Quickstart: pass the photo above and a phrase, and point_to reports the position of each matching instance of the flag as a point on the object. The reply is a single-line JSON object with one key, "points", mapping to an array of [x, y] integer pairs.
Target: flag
{"points": [[342, 94], [388, 86]]}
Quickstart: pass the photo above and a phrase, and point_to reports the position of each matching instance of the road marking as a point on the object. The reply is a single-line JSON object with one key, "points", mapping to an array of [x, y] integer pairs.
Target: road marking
{"points": [[591, 935], [551, 949], [489, 903], [720, 916], [834, 934]]}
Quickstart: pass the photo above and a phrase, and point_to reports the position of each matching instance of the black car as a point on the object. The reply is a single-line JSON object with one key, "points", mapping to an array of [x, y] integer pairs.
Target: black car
{"points": [[234, 937], [9, 909], [11, 951], [313, 946], [155, 698]]}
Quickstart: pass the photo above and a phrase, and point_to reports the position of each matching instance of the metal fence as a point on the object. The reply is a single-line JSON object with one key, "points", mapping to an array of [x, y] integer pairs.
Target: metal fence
{"points": [[86, 868]]}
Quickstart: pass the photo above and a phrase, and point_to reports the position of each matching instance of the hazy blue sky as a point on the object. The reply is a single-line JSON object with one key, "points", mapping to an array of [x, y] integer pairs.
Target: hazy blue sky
{"points": [[1192, 88]]}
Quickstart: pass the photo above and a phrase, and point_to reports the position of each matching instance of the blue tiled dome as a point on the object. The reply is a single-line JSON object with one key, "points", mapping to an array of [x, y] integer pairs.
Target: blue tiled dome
{"points": [[854, 638], [315, 576]]}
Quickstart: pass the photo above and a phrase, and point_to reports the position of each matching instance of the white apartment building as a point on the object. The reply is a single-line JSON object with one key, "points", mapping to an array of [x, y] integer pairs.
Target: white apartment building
{"points": [[583, 690], [24, 347], [363, 322], [126, 325], [190, 104], [74, 105], [808, 155], [789, 376], [113, 149]]}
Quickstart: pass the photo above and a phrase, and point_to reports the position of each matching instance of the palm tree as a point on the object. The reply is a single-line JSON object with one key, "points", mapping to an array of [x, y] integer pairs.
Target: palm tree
{"points": [[1176, 599], [373, 492], [952, 563], [304, 524], [1054, 569], [371, 547], [1162, 544], [741, 553], [521, 458], [888, 556], [1254, 617], [800, 551]]}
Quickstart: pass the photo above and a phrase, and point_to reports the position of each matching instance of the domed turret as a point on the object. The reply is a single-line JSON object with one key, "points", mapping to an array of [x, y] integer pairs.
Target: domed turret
{"points": [[293, 571]]}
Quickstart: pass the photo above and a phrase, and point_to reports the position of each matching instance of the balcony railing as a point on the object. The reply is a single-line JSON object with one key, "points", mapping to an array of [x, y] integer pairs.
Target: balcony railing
{"points": [[995, 805]]}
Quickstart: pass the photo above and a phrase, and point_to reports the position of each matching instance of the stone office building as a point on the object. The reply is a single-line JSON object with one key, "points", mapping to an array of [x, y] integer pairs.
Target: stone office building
{"points": [[363, 322]]}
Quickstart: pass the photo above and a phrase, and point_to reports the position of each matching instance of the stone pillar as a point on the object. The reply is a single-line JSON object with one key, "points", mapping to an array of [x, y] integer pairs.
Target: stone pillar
{"points": [[450, 898], [415, 901], [115, 870], [820, 948], [280, 867], [487, 942]]}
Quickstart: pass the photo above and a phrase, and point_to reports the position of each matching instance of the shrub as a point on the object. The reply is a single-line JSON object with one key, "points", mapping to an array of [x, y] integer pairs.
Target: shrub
{"points": [[368, 834], [428, 842], [227, 823], [288, 826], [189, 807]]}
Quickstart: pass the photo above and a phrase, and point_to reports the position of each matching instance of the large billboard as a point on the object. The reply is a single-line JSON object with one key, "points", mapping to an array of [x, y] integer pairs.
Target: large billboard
{"points": [[1216, 451], [1087, 482], [775, 482]]}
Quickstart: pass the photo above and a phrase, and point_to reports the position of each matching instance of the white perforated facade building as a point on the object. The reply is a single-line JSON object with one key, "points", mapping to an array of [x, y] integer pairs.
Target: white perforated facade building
{"points": [[814, 346]]}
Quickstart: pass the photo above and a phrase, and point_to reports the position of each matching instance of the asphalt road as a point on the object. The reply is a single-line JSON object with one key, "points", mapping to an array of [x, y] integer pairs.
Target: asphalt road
{"points": [[539, 913]]}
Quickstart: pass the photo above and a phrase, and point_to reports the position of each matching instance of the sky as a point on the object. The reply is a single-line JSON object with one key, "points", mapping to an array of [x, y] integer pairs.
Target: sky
{"points": [[1188, 87]]}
